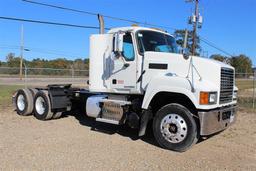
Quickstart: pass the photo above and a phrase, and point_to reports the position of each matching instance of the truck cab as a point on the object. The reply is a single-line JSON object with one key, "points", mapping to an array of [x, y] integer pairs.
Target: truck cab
{"points": [[137, 75], [145, 63]]}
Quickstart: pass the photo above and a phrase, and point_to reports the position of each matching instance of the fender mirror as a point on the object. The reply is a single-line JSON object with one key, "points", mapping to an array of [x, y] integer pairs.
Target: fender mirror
{"points": [[185, 50], [118, 44]]}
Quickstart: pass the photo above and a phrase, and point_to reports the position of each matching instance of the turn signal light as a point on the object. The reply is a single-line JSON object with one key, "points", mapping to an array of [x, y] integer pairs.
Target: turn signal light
{"points": [[204, 98]]}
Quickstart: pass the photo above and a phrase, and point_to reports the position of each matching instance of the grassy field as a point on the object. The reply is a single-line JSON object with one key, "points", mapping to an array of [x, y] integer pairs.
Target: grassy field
{"points": [[6, 92], [244, 84], [245, 93]]}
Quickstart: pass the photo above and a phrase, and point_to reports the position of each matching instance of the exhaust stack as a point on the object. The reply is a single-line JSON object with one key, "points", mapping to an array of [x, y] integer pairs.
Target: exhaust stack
{"points": [[101, 22]]}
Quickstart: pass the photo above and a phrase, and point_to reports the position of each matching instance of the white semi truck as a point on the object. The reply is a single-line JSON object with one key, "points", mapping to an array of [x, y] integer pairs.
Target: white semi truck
{"points": [[137, 76]]}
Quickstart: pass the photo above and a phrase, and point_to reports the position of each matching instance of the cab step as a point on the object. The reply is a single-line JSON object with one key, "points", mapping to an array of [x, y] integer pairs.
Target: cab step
{"points": [[107, 121], [113, 101]]}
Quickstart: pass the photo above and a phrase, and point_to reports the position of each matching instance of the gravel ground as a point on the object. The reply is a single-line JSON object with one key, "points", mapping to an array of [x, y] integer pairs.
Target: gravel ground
{"points": [[79, 143]]}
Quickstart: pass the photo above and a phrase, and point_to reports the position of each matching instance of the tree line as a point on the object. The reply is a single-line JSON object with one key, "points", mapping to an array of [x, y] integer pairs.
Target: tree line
{"points": [[59, 66], [59, 63], [241, 63]]}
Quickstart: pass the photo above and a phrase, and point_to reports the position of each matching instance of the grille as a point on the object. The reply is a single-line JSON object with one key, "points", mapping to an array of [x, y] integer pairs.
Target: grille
{"points": [[226, 85]]}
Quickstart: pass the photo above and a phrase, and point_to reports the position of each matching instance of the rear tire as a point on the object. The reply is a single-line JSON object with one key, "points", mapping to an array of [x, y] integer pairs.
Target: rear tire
{"points": [[42, 106], [57, 115], [33, 92], [175, 128], [24, 102]]}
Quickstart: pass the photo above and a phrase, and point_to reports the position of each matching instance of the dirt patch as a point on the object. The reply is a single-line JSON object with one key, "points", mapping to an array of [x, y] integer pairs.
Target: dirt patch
{"points": [[75, 142]]}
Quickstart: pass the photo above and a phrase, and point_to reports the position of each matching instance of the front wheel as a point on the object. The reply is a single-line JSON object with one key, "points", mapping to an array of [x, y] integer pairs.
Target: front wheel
{"points": [[174, 128]]}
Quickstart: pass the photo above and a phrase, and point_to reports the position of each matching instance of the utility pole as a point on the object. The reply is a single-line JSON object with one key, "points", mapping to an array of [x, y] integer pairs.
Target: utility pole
{"points": [[195, 28], [21, 51], [196, 20], [253, 96]]}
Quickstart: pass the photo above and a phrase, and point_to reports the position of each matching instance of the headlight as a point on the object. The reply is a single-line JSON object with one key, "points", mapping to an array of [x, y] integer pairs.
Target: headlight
{"points": [[207, 98], [235, 95], [213, 98]]}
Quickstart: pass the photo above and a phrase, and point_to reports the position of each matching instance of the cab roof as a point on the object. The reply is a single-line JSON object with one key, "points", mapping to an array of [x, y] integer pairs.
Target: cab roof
{"points": [[136, 28]]}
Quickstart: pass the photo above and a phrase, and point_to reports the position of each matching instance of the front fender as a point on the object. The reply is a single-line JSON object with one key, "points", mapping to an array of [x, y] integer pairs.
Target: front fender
{"points": [[168, 83]]}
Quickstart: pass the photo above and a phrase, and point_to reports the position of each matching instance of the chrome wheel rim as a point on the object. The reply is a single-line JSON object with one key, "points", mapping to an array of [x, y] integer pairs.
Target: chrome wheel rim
{"points": [[174, 128], [21, 102], [40, 105]]}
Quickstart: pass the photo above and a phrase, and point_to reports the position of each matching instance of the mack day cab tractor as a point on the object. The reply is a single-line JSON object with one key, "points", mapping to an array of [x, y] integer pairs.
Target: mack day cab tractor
{"points": [[136, 75]]}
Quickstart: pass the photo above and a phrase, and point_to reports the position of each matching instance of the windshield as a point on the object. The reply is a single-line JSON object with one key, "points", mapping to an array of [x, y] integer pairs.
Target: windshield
{"points": [[156, 42]]}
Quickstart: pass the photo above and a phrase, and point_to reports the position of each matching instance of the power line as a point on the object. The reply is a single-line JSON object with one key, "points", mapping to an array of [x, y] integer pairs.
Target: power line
{"points": [[214, 46], [3, 47], [43, 51], [93, 27], [96, 14], [8, 46], [122, 19], [35, 48], [54, 53], [59, 7], [49, 23]]}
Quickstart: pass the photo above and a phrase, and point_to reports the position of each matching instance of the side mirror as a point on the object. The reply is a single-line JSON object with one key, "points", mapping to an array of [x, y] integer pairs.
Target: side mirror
{"points": [[185, 50], [118, 43], [185, 53]]}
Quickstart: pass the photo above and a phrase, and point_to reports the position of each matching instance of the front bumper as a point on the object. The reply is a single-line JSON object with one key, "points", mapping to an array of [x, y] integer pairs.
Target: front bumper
{"points": [[217, 120]]}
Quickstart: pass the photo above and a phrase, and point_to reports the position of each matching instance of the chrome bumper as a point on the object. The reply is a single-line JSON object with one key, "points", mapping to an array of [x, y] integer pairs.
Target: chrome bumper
{"points": [[216, 120]]}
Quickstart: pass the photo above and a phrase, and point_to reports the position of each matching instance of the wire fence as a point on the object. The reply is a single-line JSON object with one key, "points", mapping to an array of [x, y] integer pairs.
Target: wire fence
{"points": [[42, 72], [246, 82], [43, 76]]}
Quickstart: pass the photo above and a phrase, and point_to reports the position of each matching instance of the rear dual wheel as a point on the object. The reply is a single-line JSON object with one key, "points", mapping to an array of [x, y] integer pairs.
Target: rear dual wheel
{"points": [[42, 106], [29, 100], [24, 102]]}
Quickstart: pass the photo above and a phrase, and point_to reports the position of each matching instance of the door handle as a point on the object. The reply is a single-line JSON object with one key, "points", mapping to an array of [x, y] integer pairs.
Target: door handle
{"points": [[126, 65]]}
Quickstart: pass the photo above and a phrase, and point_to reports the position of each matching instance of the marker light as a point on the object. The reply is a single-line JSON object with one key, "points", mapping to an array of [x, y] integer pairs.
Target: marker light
{"points": [[204, 98]]}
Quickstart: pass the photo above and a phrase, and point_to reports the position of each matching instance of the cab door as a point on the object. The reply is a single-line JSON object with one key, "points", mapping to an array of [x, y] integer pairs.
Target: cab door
{"points": [[124, 73]]}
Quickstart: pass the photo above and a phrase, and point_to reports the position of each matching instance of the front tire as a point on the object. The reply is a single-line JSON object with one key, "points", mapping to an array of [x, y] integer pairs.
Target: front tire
{"points": [[174, 128]]}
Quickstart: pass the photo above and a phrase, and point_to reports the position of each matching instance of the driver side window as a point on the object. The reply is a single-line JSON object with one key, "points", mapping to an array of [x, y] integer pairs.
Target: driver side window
{"points": [[128, 49]]}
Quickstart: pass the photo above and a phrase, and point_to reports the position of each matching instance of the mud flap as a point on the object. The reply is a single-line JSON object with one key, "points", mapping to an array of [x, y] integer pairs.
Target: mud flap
{"points": [[146, 116]]}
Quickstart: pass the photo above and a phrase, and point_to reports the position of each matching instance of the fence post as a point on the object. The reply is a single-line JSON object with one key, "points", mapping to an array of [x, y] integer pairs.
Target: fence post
{"points": [[253, 96], [25, 76], [72, 73]]}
